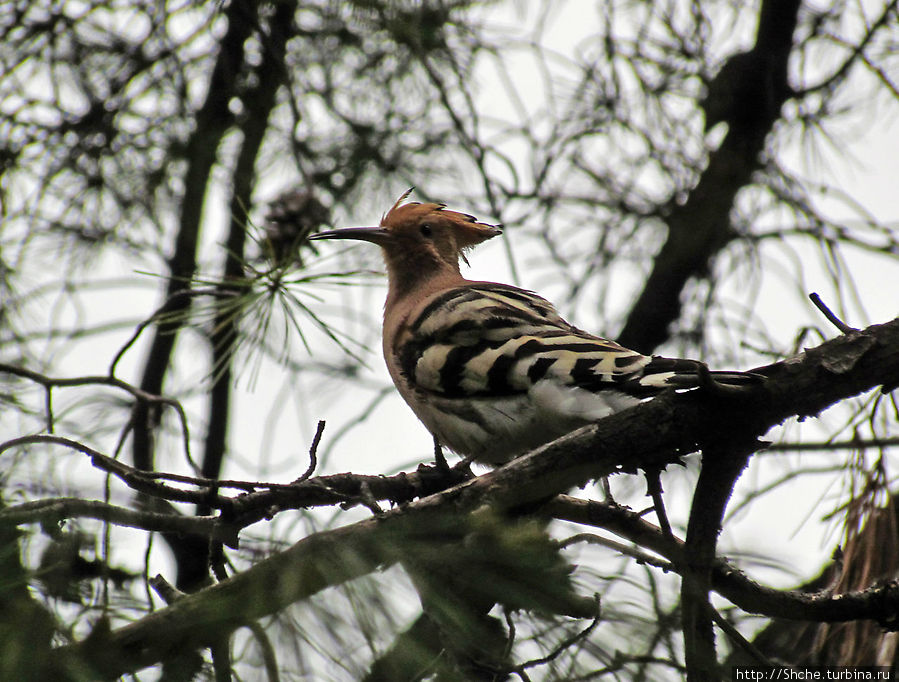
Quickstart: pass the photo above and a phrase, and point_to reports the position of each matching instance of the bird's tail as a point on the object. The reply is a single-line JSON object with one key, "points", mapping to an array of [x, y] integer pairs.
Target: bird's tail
{"points": [[662, 373]]}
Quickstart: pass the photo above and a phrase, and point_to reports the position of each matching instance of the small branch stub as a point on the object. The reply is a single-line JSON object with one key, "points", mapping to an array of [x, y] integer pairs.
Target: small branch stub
{"points": [[829, 314]]}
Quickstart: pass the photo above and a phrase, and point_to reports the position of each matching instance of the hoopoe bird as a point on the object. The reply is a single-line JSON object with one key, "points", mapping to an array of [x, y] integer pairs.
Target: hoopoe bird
{"points": [[492, 370]]}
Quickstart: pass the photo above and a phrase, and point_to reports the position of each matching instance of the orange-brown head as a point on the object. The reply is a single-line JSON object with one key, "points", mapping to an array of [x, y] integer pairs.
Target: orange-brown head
{"points": [[419, 241]]}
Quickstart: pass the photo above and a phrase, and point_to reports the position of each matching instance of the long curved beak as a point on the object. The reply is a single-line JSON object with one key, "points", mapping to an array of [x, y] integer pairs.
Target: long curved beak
{"points": [[375, 235]]}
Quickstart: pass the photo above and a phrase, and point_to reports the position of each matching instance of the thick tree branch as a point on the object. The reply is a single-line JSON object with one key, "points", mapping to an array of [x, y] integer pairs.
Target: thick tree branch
{"points": [[212, 121], [748, 94], [721, 467], [652, 434], [258, 101]]}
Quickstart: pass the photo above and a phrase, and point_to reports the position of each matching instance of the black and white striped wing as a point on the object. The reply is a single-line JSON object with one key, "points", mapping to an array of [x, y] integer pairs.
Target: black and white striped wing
{"points": [[486, 340]]}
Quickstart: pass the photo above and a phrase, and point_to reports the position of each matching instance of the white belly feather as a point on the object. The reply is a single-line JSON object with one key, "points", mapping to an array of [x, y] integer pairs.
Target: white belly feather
{"points": [[494, 430]]}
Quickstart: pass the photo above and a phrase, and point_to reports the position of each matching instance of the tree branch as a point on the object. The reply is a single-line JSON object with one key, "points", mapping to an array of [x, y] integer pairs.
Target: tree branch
{"points": [[651, 434], [260, 501], [877, 603], [54, 510], [212, 120], [258, 101], [748, 94], [721, 467]]}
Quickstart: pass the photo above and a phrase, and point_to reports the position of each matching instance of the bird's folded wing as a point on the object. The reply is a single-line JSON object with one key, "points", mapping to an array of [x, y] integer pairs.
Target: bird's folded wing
{"points": [[497, 340]]}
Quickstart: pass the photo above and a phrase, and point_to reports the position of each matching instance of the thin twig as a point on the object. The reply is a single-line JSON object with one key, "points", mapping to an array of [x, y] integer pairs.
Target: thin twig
{"points": [[261, 499], [851, 444], [313, 452], [829, 314], [737, 638], [654, 490], [135, 479], [568, 642], [627, 550], [139, 394], [510, 623], [269, 657], [366, 498], [48, 406], [166, 591], [158, 314]]}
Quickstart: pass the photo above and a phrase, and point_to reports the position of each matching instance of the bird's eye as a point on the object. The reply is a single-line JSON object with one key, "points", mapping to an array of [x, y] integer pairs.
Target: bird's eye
{"points": [[426, 230]]}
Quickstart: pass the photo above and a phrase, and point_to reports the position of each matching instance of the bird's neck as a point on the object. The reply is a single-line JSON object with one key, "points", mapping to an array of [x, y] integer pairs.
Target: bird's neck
{"points": [[414, 278], [406, 292]]}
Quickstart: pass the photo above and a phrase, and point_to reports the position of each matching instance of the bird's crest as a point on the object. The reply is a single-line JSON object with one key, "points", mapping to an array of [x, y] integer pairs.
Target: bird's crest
{"points": [[467, 230]]}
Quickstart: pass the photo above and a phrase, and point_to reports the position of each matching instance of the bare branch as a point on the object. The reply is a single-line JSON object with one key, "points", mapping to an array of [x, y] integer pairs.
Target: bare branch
{"points": [[142, 396], [313, 450], [56, 509], [829, 314], [727, 580]]}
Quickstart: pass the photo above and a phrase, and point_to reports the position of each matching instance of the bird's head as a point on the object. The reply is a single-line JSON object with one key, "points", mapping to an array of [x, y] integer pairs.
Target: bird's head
{"points": [[419, 240]]}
